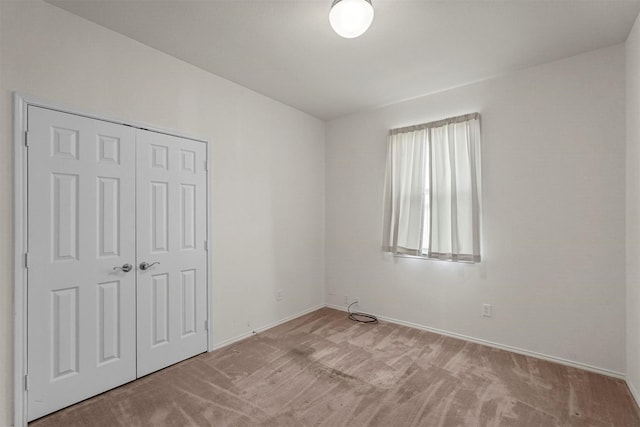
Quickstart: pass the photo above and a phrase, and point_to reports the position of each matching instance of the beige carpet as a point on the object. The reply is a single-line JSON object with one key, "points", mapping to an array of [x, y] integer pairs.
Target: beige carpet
{"points": [[325, 370]]}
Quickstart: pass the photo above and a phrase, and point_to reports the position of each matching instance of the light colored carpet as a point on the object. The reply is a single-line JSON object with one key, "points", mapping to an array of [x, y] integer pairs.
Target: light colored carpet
{"points": [[325, 370]]}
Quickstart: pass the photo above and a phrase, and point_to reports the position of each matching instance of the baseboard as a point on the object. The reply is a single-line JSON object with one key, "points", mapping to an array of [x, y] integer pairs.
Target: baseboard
{"points": [[263, 328], [517, 350], [634, 392]]}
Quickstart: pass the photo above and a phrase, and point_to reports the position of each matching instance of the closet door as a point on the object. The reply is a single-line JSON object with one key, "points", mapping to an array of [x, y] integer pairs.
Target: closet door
{"points": [[171, 238], [81, 260]]}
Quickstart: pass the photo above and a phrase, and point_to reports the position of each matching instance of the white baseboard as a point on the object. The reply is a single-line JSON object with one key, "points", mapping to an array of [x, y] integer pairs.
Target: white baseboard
{"points": [[263, 328], [634, 392], [524, 352]]}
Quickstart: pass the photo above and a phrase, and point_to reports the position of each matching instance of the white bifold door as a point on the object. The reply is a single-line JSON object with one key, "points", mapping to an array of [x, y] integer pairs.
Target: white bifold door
{"points": [[117, 270]]}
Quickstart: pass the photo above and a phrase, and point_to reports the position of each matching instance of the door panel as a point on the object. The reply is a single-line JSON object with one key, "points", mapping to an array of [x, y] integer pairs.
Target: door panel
{"points": [[81, 312], [171, 231]]}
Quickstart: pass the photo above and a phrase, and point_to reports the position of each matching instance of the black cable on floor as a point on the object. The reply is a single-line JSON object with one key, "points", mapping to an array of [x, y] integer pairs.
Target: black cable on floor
{"points": [[361, 317]]}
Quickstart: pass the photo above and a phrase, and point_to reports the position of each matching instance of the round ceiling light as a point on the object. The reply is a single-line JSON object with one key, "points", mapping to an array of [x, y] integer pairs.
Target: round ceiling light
{"points": [[351, 18]]}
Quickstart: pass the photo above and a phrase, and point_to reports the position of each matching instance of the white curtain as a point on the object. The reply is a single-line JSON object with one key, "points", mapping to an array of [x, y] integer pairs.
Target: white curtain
{"points": [[432, 190], [404, 192]]}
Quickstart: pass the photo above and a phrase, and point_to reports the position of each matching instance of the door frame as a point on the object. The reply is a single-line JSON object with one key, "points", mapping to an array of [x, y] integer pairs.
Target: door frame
{"points": [[21, 103]]}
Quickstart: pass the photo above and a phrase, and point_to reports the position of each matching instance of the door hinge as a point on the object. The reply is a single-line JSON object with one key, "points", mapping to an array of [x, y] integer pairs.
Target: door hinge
{"points": [[206, 245], [26, 139], [206, 325], [26, 382], [26, 260], [206, 165]]}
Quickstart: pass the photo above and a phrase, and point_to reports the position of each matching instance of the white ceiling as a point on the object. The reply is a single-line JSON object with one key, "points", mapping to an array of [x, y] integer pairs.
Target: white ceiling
{"points": [[285, 49]]}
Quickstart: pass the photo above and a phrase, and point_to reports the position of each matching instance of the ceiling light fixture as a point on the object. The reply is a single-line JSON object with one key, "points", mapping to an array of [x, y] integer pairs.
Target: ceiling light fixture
{"points": [[351, 18]]}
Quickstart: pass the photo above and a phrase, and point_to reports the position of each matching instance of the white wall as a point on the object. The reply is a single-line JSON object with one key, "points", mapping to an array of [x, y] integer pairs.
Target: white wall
{"points": [[633, 209], [268, 161], [554, 206]]}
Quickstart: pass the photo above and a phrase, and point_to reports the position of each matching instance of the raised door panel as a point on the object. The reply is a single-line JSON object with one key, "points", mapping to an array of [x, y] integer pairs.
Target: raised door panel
{"points": [[109, 327], [187, 220], [159, 309], [108, 217], [159, 216], [65, 332], [65, 210], [189, 305]]}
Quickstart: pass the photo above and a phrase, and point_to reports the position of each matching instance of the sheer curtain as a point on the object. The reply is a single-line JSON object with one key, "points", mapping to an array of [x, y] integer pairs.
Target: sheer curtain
{"points": [[405, 182], [432, 190]]}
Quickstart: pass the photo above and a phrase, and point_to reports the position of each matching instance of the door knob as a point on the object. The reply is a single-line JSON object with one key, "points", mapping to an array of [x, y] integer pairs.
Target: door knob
{"points": [[126, 268], [146, 265]]}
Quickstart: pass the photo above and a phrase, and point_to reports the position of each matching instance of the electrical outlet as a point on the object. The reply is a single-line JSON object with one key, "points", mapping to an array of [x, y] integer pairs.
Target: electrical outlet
{"points": [[346, 299], [279, 294], [487, 310]]}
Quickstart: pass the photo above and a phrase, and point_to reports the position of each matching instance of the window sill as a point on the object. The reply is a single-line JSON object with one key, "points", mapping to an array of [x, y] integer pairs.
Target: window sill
{"points": [[426, 258]]}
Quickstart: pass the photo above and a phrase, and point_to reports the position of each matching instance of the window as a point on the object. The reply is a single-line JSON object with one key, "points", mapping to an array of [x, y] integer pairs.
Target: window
{"points": [[432, 197]]}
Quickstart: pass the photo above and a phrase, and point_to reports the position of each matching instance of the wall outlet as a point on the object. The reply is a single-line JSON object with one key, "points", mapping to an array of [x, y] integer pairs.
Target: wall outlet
{"points": [[487, 310], [279, 294], [346, 299]]}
